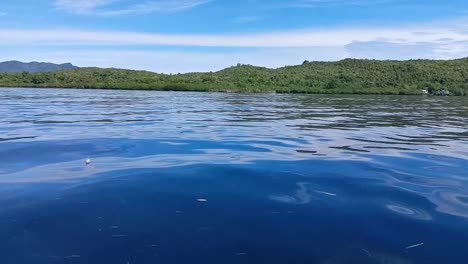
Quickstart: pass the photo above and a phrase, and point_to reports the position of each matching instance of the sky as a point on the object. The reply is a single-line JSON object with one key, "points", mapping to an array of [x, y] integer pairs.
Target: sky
{"points": [[178, 36]]}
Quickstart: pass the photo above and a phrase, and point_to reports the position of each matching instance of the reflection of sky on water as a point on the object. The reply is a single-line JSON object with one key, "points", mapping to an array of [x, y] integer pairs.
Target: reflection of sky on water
{"points": [[301, 195], [150, 130], [397, 161], [410, 212], [225, 117]]}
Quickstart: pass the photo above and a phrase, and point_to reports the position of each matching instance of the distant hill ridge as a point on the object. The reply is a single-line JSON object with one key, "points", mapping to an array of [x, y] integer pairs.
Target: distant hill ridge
{"points": [[18, 66], [350, 76]]}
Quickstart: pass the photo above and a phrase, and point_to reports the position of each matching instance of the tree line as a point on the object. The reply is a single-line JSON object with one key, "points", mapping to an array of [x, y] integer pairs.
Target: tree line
{"points": [[351, 76]]}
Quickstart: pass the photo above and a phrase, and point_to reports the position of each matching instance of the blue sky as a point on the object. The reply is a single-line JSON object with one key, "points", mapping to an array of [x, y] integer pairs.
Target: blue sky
{"points": [[208, 35]]}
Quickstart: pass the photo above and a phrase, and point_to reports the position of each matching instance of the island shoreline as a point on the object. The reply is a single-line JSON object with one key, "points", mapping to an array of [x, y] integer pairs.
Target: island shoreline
{"points": [[216, 91], [349, 76]]}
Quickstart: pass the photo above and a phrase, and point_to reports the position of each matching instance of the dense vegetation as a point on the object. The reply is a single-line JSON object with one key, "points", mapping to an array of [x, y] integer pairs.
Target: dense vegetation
{"points": [[346, 76]]}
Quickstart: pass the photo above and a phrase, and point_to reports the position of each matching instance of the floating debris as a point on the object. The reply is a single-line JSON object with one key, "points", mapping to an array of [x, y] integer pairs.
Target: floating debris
{"points": [[202, 200], [414, 246], [326, 193], [367, 252], [153, 245], [241, 254], [88, 162]]}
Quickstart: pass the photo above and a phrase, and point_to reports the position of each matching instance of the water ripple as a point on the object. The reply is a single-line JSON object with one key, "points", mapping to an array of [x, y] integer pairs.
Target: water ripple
{"points": [[286, 178]]}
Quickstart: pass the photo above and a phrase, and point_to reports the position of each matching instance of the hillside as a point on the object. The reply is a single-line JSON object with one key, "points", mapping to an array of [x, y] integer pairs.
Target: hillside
{"points": [[17, 66], [346, 76]]}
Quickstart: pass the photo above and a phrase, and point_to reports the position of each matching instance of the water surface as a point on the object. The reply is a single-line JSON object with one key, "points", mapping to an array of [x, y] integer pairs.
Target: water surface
{"points": [[231, 178]]}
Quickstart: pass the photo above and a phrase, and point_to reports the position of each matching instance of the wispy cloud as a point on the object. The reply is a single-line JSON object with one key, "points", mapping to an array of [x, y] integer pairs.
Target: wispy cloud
{"points": [[110, 7], [449, 32], [176, 60], [156, 6], [247, 19], [81, 6], [2, 13], [336, 3], [166, 52]]}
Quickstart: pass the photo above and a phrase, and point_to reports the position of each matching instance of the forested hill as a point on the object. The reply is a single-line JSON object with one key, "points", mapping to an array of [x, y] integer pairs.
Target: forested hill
{"points": [[17, 66], [346, 76]]}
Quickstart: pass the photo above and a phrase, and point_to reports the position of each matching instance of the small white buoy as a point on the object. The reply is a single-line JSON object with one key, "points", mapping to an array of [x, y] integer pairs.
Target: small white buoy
{"points": [[88, 161]]}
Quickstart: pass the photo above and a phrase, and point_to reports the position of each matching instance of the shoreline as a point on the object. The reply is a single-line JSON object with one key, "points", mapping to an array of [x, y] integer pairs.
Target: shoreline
{"points": [[226, 91], [349, 76]]}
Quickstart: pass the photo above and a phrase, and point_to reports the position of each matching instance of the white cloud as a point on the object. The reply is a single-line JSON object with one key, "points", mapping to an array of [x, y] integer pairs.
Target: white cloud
{"points": [[175, 61], [442, 40], [170, 61], [335, 3], [385, 51], [2, 13], [111, 7], [156, 6], [441, 33], [81, 6]]}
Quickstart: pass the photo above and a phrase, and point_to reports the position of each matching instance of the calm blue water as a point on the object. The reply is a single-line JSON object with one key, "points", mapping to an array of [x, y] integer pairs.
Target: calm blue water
{"points": [[231, 178]]}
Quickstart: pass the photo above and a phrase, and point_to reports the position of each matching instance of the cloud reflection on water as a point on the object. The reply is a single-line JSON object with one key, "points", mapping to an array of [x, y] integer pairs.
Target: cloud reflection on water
{"points": [[315, 160]]}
